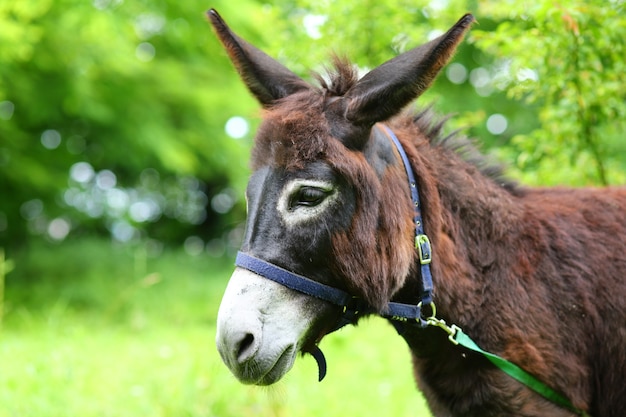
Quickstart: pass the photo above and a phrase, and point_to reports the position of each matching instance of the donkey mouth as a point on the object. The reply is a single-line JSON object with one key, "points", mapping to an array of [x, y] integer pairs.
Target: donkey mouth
{"points": [[254, 373]]}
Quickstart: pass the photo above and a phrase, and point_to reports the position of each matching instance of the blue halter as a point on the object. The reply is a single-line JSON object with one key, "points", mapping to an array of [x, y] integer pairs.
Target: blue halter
{"points": [[354, 307]]}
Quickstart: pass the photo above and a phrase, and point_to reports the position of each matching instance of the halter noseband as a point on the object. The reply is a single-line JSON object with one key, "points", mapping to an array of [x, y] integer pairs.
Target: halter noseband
{"points": [[354, 307]]}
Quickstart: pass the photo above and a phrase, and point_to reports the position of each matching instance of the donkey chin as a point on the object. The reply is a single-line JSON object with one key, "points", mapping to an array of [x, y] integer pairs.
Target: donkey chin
{"points": [[261, 326]]}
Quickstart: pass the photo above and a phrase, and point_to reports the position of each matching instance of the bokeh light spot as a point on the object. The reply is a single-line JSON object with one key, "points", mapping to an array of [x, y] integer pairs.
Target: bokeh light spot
{"points": [[106, 179], [194, 246], [456, 73], [58, 229], [82, 172], [50, 139], [237, 127], [6, 110], [145, 52], [497, 123]]}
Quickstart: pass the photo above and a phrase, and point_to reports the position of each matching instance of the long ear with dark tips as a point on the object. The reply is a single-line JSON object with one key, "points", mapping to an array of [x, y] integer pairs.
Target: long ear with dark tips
{"points": [[385, 90], [266, 78]]}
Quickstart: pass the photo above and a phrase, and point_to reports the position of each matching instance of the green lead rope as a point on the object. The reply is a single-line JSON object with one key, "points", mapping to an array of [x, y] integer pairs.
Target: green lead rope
{"points": [[456, 336]]}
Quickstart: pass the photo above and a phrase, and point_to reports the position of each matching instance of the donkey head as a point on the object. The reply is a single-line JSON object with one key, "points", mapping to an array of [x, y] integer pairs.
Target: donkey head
{"points": [[327, 199]]}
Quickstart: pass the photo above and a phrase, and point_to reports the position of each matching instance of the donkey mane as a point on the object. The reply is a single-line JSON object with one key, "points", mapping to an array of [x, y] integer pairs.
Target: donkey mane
{"points": [[338, 78], [432, 126]]}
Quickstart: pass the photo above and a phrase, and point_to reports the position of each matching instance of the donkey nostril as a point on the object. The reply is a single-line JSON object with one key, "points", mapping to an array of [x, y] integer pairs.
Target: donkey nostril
{"points": [[246, 347]]}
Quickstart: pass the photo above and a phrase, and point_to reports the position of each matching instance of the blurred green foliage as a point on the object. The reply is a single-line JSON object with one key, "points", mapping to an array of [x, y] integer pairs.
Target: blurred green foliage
{"points": [[123, 86], [113, 113], [569, 59]]}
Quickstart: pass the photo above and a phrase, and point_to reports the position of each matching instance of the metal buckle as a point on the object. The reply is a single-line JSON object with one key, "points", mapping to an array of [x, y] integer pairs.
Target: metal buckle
{"points": [[422, 244], [451, 330]]}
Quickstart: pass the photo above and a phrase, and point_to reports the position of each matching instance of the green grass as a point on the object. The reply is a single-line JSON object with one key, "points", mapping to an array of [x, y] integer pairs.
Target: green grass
{"points": [[96, 330]]}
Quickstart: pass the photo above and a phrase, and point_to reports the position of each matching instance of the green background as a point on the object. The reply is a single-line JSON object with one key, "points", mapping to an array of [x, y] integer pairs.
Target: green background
{"points": [[121, 190]]}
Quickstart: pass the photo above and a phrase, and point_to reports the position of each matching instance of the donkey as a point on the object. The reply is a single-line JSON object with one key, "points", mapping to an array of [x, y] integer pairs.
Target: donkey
{"points": [[534, 275]]}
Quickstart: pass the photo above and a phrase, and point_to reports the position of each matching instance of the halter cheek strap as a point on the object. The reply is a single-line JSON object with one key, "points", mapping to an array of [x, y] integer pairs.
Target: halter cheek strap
{"points": [[422, 243]]}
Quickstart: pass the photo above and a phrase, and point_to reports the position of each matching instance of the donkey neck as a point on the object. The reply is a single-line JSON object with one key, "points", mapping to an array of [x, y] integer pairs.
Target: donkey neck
{"points": [[465, 211], [475, 209]]}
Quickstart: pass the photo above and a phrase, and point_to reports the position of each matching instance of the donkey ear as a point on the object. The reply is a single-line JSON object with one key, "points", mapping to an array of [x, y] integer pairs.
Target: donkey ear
{"points": [[266, 78], [384, 91]]}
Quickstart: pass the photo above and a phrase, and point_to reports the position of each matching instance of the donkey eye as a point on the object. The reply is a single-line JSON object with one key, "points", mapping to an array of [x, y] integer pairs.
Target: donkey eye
{"points": [[308, 197], [304, 200]]}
